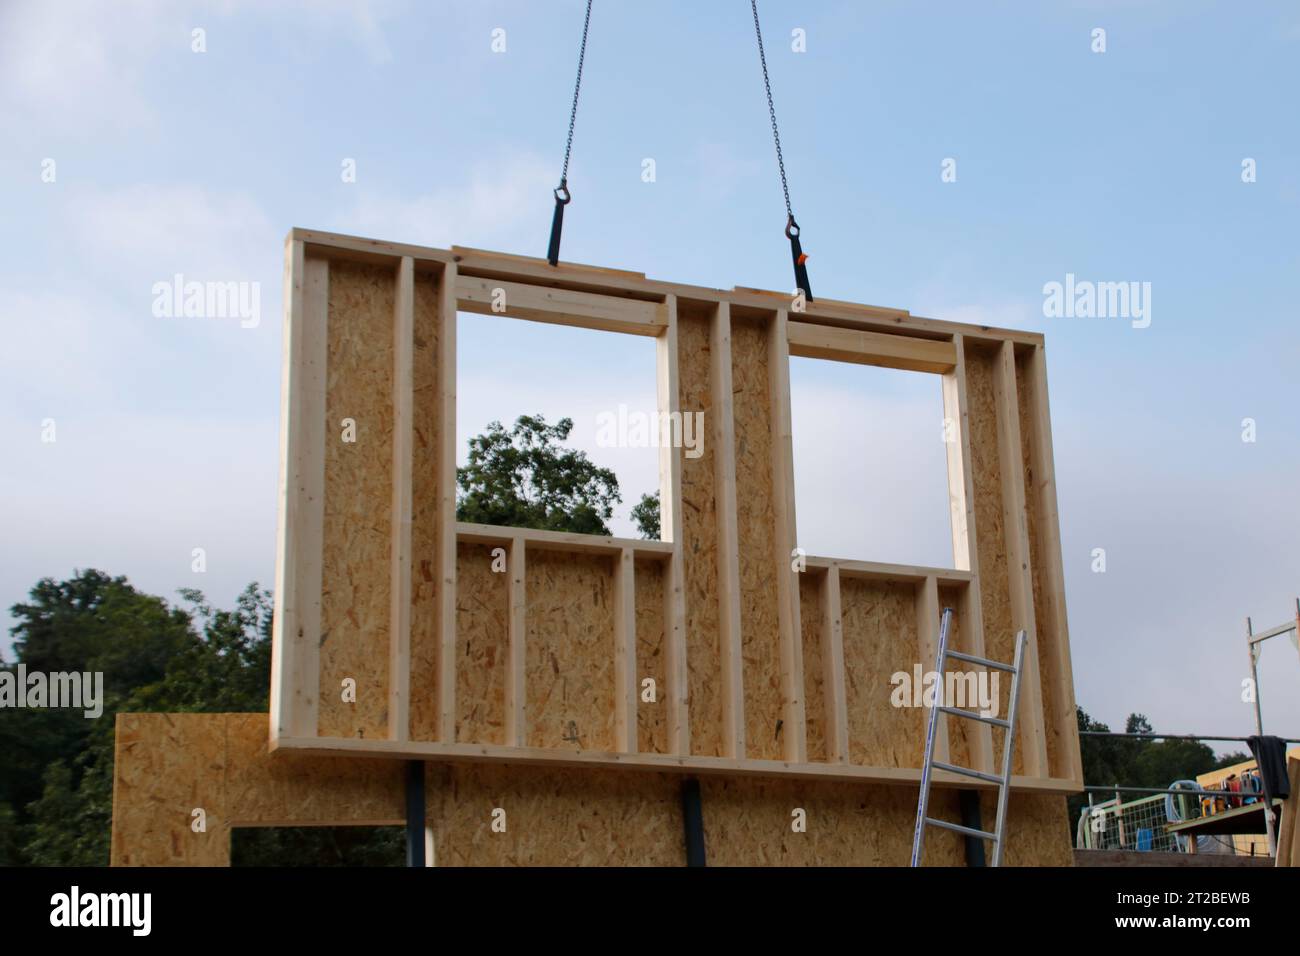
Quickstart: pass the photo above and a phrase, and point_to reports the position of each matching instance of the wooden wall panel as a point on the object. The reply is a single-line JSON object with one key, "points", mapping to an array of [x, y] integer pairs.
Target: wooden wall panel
{"points": [[652, 725], [995, 600], [700, 541], [749, 823], [167, 764], [755, 520], [735, 627], [482, 646], [880, 639], [425, 527], [358, 499], [613, 819], [959, 729], [570, 651]]}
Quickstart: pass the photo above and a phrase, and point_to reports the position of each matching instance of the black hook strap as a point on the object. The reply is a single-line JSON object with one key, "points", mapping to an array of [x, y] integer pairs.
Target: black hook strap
{"points": [[799, 257], [562, 198]]}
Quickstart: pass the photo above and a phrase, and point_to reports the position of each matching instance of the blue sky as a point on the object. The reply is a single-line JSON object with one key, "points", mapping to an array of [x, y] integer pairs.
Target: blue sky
{"points": [[1115, 166]]}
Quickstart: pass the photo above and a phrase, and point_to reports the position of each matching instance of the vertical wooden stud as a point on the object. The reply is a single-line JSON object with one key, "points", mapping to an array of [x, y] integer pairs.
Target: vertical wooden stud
{"points": [[1041, 466], [1015, 526], [625, 696], [517, 630], [446, 667], [837, 713], [795, 730], [961, 495], [670, 527], [295, 648], [399, 617], [724, 481]]}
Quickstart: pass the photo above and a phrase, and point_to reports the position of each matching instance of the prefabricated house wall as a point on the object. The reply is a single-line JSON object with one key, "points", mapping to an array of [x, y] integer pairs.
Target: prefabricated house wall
{"points": [[771, 682]]}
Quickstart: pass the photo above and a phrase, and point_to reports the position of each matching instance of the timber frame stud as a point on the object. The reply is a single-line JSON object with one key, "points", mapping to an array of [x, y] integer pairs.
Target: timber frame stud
{"points": [[759, 669]]}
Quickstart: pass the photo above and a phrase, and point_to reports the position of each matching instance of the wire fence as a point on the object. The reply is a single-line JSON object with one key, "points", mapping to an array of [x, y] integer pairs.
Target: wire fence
{"points": [[1141, 818]]}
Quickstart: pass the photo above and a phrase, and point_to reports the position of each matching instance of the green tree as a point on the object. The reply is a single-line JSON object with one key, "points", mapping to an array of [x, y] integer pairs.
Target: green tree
{"points": [[522, 478], [646, 515], [1135, 762], [154, 659]]}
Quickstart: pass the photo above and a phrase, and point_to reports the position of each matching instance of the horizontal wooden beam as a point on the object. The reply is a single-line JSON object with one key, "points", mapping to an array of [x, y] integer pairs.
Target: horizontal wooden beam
{"points": [[749, 767], [468, 532], [871, 348], [586, 310], [891, 572], [634, 285]]}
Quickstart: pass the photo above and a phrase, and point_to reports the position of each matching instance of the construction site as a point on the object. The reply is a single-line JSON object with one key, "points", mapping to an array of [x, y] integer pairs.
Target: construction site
{"points": [[616, 544], [486, 687]]}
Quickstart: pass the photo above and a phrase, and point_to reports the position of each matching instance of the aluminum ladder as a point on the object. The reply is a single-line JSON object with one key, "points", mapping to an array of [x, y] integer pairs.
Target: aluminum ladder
{"points": [[1009, 725]]}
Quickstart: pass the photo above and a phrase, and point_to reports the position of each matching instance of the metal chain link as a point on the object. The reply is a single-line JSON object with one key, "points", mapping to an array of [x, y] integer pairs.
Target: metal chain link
{"points": [[573, 114], [771, 110]]}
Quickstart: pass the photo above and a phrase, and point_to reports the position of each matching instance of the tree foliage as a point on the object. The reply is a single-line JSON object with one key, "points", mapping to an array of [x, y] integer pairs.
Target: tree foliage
{"points": [[523, 478], [646, 515], [56, 799], [1136, 762]]}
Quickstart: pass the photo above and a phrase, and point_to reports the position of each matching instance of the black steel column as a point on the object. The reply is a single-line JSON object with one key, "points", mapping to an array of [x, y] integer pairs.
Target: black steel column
{"points": [[415, 813], [693, 821], [970, 817]]}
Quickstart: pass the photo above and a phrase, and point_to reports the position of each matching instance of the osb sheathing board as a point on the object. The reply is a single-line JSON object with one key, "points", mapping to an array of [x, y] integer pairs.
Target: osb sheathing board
{"points": [[358, 494], [810, 622], [700, 541], [167, 765], [569, 670], [756, 527], [995, 595], [652, 728], [880, 640], [424, 509], [482, 645]]}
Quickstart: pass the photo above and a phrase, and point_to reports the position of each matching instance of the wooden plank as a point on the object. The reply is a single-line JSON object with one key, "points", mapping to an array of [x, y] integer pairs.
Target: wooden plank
{"points": [[871, 348], [909, 777], [1020, 580], [724, 483], [625, 684], [586, 310], [927, 629], [626, 284], [517, 630], [295, 647], [907, 573], [399, 621], [670, 530], [447, 505], [837, 714], [961, 496], [795, 727], [1041, 463], [539, 540]]}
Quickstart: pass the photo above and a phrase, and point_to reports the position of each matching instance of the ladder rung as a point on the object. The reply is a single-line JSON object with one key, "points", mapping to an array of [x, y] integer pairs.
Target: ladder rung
{"points": [[995, 721], [965, 831], [983, 661], [966, 771]]}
